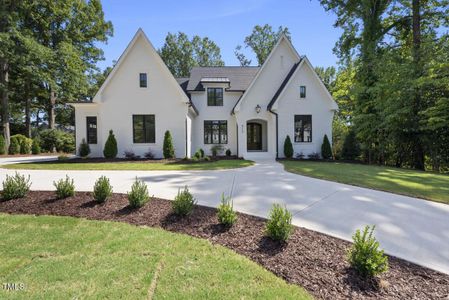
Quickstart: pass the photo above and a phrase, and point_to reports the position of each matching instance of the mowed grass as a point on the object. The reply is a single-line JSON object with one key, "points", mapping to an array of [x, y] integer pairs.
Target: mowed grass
{"points": [[70, 258], [135, 165], [426, 185]]}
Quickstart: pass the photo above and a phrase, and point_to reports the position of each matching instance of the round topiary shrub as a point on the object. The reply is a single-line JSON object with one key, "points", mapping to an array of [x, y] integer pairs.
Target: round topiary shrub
{"points": [[184, 202], [138, 195], [110, 147], [288, 147]]}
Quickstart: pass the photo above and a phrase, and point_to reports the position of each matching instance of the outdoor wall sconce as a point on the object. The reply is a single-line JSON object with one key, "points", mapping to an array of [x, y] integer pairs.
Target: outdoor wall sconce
{"points": [[258, 108]]}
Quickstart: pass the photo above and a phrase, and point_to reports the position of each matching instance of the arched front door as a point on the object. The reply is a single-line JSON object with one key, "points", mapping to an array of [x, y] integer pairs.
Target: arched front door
{"points": [[254, 136]]}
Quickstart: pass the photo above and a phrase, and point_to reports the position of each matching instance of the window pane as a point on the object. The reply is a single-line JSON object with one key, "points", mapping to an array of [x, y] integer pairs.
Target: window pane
{"points": [[138, 136], [303, 128], [91, 125], [149, 128], [215, 132], [143, 79], [214, 96], [219, 97], [224, 132], [210, 97], [302, 91]]}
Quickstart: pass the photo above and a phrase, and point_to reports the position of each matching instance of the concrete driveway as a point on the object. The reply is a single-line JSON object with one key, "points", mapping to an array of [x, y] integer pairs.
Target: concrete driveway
{"points": [[410, 228]]}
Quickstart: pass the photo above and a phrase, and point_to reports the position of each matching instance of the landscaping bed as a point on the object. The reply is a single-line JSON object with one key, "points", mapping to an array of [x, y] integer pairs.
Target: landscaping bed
{"points": [[312, 260]]}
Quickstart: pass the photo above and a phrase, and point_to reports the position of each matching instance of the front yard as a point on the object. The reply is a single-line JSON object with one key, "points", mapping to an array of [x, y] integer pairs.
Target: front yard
{"points": [[143, 165], [412, 183], [70, 258]]}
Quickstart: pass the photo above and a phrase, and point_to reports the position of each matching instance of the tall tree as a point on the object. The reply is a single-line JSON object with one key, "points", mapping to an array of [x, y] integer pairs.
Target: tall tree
{"points": [[261, 41], [181, 54]]}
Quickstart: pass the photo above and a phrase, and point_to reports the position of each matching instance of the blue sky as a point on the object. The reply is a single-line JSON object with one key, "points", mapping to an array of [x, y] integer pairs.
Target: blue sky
{"points": [[225, 22]]}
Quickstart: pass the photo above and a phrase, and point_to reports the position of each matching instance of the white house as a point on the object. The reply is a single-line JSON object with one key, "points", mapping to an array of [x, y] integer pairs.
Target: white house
{"points": [[249, 110]]}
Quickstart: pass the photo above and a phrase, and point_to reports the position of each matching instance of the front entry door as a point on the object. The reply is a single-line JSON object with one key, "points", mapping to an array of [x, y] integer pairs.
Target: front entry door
{"points": [[254, 136]]}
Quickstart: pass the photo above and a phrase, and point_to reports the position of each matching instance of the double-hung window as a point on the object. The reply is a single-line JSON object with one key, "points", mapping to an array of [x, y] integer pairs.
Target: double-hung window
{"points": [[302, 91], [303, 128], [143, 80], [91, 125], [215, 132], [214, 96], [144, 129]]}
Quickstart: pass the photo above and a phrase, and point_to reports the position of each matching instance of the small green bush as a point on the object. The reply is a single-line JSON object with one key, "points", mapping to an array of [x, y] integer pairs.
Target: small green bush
{"points": [[217, 149], [168, 148], [225, 212], [201, 152], [36, 147], [16, 186], [207, 158], [197, 155], [110, 147], [288, 147], [326, 150], [351, 149], [365, 256], [14, 146], [102, 189], [25, 145], [228, 152], [84, 148], [64, 187], [184, 202], [138, 195], [2, 145], [279, 225], [54, 139]]}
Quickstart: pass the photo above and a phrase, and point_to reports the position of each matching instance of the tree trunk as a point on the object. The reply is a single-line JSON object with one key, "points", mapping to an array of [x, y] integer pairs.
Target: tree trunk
{"points": [[28, 112], [51, 109], [4, 78]]}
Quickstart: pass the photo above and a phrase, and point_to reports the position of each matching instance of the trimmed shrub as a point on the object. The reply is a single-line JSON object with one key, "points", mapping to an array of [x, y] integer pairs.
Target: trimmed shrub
{"points": [[14, 146], [207, 158], [168, 149], [84, 148], [110, 147], [288, 147], [36, 147], [279, 225], [138, 195], [201, 152], [64, 187], [2, 145], [184, 202], [225, 212], [228, 152], [25, 145], [217, 149], [365, 256], [102, 189], [351, 149], [197, 155], [54, 139], [16, 186], [326, 150]]}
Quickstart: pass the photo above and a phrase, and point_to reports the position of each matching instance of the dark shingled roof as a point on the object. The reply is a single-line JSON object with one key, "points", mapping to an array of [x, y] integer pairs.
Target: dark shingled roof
{"points": [[240, 77], [183, 81]]}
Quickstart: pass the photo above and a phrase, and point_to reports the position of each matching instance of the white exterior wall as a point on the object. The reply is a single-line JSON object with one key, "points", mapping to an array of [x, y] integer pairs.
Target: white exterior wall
{"points": [[212, 113], [81, 112], [316, 103]]}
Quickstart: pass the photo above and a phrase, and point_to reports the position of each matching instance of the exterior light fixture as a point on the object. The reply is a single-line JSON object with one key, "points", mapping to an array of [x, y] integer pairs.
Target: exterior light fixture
{"points": [[258, 108]]}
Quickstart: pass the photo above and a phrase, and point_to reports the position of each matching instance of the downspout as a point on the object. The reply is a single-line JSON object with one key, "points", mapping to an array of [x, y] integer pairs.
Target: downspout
{"points": [[186, 138], [277, 132], [237, 140]]}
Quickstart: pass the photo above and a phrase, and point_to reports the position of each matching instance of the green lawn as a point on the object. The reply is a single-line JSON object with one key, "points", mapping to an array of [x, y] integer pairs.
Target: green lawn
{"points": [[134, 165], [70, 258], [419, 184]]}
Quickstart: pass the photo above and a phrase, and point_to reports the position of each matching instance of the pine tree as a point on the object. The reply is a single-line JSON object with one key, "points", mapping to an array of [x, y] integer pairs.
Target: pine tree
{"points": [[169, 150], [288, 147], [326, 150], [110, 147]]}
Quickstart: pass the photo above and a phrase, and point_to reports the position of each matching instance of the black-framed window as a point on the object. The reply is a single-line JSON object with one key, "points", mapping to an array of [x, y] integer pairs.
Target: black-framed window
{"points": [[91, 125], [215, 132], [302, 91], [144, 129], [214, 96], [143, 80], [303, 128]]}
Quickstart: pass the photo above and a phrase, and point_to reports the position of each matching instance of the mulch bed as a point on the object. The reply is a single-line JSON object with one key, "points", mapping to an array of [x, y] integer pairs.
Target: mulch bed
{"points": [[78, 160], [310, 259]]}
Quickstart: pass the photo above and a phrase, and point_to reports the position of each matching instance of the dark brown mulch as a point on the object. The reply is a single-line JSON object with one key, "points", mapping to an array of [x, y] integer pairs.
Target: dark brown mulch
{"points": [[310, 259], [78, 160]]}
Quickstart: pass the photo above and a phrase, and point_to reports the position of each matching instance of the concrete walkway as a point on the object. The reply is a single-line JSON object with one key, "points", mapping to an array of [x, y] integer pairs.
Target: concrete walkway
{"points": [[413, 229]]}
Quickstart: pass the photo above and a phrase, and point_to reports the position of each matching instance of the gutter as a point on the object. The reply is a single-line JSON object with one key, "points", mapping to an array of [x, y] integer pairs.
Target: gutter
{"points": [[277, 132]]}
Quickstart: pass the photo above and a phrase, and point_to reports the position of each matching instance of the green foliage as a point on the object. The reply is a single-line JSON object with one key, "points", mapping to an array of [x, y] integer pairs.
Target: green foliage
{"points": [[181, 54], [207, 158], [36, 147], [168, 148], [228, 152], [351, 149], [216, 149], [15, 187], [84, 148], [2, 145], [197, 155], [279, 224], [64, 187], [14, 146], [365, 256], [110, 147], [54, 139], [261, 40], [102, 189], [326, 151], [225, 212], [138, 196], [201, 152], [184, 202], [288, 147]]}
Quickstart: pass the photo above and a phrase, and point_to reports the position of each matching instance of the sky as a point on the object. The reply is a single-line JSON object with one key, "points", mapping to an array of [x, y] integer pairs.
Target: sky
{"points": [[227, 23]]}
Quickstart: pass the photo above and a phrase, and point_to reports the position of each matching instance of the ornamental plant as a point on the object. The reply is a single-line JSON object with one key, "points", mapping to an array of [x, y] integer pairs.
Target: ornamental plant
{"points": [[36, 147], [184, 202], [279, 225], [225, 212], [365, 256], [84, 148], [16, 186], [64, 187], [110, 147], [168, 148], [102, 189], [326, 150], [288, 147], [138, 196]]}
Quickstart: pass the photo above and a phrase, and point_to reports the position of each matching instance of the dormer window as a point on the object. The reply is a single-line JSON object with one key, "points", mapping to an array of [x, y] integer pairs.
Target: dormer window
{"points": [[143, 80], [214, 96], [302, 91]]}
